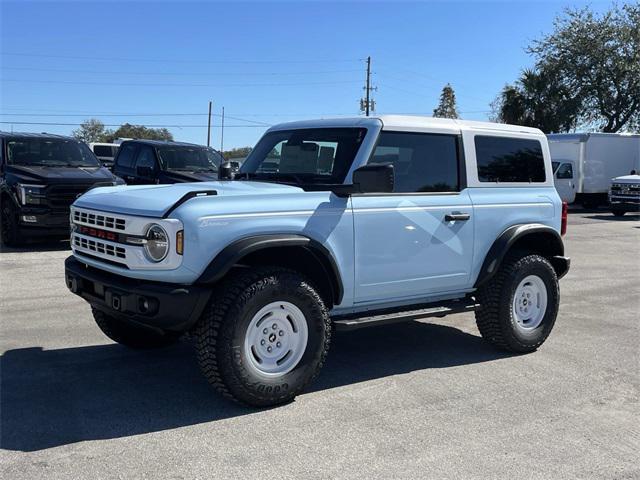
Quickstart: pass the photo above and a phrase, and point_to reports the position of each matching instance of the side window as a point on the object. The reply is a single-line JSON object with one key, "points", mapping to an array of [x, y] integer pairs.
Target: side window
{"points": [[505, 159], [146, 158], [423, 162], [565, 171], [126, 156]]}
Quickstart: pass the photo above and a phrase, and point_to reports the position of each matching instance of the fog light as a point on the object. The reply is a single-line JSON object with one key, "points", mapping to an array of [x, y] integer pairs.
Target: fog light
{"points": [[29, 218]]}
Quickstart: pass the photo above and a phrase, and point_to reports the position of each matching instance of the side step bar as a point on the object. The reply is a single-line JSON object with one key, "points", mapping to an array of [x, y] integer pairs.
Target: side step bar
{"points": [[386, 317]]}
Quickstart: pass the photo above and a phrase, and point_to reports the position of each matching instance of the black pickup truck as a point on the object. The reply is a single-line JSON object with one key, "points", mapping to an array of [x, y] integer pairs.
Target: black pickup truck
{"points": [[41, 175]]}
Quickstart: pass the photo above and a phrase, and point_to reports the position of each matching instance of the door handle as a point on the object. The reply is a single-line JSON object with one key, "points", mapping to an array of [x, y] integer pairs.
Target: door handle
{"points": [[457, 217]]}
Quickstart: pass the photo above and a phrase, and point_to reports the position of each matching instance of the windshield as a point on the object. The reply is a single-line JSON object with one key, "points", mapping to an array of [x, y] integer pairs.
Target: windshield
{"points": [[305, 156], [196, 159], [50, 152]]}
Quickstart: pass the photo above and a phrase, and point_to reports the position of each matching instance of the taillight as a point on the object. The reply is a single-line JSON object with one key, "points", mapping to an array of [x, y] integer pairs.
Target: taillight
{"points": [[563, 224]]}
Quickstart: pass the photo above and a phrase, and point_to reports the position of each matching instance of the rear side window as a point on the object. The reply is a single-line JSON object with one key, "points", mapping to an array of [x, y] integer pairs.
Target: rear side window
{"points": [[126, 156], [503, 159], [104, 150], [422, 162], [146, 158]]}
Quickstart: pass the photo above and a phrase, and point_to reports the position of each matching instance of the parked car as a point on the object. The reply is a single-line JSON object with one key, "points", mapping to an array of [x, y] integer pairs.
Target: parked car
{"points": [[154, 161], [40, 177], [105, 152], [624, 194], [585, 163], [352, 223]]}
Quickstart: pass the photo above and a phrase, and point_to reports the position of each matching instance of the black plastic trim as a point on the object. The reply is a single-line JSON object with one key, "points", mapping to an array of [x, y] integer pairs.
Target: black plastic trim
{"points": [[188, 196], [236, 251], [505, 241], [173, 307]]}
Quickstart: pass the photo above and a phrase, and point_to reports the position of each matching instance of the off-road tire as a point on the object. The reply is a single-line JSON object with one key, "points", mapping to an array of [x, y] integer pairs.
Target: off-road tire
{"points": [[495, 317], [221, 330], [9, 231], [130, 335]]}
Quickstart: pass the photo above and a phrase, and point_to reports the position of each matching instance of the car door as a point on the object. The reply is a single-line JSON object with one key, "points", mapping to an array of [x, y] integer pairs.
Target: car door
{"points": [[564, 182], [146, 166], [124, 163], [416, 242]]}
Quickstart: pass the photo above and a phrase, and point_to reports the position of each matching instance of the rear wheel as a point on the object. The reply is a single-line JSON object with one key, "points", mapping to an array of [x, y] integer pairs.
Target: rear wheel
{"points": [[9, 225], [264, 336], [518, 307], [130, 335]]}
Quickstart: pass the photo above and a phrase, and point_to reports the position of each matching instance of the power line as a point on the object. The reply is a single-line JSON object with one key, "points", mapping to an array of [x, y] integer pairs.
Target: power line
{"points": [[213, 74], [119, 125], [165, 60], [119, 84]]}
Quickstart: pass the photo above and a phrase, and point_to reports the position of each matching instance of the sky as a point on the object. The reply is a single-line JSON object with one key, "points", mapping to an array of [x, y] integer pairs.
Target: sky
{"points": [[159, 63]]}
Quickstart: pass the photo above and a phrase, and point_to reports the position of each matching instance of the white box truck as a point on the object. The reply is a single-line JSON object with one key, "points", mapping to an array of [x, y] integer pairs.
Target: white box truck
{"points": [[585, 163]]}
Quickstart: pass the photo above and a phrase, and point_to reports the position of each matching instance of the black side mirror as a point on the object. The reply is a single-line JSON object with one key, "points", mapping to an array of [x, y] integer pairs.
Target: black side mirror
{"points": [[374, 178], [228, 170], [144, 172]]}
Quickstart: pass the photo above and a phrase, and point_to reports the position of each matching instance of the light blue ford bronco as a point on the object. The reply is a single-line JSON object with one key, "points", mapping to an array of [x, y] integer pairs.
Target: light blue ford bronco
{"points": [[328, 224]]}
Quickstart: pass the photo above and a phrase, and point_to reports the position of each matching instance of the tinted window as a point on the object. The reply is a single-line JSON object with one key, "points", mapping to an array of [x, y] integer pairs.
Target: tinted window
{"points": [[503, 159], [187, 158], [125, 156], [422, 162], [104, 150], [305, 156], [565, 171], [146, 158], [51, 152]]}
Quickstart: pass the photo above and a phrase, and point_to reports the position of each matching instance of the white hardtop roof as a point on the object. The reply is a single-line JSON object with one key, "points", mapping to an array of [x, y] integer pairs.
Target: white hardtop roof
{"points": [[407, 122]]}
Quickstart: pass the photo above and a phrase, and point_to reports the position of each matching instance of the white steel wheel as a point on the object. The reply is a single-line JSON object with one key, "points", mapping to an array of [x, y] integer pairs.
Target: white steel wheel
{"points": [[530, 303], [276, 339]]}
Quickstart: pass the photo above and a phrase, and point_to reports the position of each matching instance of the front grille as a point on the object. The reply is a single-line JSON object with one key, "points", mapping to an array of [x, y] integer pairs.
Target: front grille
{"points": [[99, 247], [97, 220], [62, 196]]}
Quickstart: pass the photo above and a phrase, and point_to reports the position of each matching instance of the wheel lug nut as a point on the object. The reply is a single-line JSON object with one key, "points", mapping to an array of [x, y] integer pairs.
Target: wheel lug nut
{"points": [[265, 331], [278, 344], [262, 342], [281, 333], [274, 326], [269, 348]]}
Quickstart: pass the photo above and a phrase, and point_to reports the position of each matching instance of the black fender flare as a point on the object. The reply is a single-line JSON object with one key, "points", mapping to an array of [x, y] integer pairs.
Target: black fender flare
{"points": [[551, 245], [233, 253]]}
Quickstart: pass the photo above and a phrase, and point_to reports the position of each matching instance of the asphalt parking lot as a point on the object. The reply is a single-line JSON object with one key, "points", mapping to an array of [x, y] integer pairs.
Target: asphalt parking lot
{"points": [[415, 400]]}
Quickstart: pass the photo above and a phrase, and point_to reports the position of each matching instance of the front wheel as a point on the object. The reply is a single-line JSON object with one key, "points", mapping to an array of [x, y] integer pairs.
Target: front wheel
{"points": [[518, 307], [264, 336], [9, 230], [618, 213]]}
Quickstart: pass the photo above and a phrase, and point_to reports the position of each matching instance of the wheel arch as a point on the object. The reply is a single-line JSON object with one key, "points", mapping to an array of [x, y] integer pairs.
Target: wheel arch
{"points": [[534, 237], [295, 251]]}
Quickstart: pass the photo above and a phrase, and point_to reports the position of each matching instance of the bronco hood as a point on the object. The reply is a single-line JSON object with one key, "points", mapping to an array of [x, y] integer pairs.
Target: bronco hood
{"points": [[156, 200]]}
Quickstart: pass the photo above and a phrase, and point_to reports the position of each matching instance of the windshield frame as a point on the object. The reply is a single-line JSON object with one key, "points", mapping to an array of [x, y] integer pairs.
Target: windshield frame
{"points": [[89, 159], [308, 180]]}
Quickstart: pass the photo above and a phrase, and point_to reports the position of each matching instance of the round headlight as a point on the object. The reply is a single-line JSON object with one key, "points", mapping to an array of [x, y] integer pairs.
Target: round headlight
{"points": [[157, 244]]}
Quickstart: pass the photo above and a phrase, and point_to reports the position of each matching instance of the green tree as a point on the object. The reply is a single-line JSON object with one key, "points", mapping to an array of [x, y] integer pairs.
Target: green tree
{"points": [[91, 130], [240, 152], [538, 99], [139, 131], [597, 57], [447, 106]]}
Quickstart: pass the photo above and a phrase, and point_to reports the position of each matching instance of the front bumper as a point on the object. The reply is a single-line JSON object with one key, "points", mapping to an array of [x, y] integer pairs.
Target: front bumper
{"points": [[43, 221], [157, 305], [625, 202]]}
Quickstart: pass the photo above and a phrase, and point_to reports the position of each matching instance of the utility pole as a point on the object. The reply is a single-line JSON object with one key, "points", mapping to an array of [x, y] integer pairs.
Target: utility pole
{"points": [[367, 104], [209, 127], [222, 134]]}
